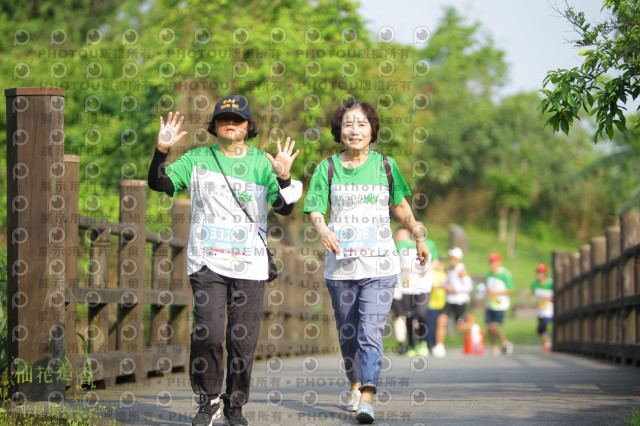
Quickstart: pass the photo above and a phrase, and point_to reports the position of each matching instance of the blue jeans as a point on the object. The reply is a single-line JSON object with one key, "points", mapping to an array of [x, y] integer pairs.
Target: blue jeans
{"points": [[432, 323], [361, 308]]}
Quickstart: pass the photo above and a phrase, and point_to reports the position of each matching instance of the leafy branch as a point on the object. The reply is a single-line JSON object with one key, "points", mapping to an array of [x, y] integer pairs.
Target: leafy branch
{"points": [[612, 45]]}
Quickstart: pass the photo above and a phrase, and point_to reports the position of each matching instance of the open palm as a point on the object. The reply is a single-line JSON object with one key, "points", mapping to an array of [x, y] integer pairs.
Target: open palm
{"points": [[169, 133], [284, 158]]}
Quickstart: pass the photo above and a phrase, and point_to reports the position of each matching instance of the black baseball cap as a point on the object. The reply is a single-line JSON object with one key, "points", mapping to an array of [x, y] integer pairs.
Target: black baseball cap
{"points": [[234, 104]]}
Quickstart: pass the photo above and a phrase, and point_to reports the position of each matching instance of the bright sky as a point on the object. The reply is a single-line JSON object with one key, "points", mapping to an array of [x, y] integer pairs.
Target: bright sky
{"points": [[532, 34]]}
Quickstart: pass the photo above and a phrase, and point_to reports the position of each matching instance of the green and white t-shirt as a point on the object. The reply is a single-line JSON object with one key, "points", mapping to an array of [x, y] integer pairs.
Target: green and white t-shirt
{"points": [[500, 281], [221, 235], [359, 216], [544, 293]]}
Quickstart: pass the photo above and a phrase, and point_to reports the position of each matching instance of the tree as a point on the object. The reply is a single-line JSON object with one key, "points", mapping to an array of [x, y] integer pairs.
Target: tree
{"points": [[610, 46], [295, 60], [622, 167], [466, 68]]}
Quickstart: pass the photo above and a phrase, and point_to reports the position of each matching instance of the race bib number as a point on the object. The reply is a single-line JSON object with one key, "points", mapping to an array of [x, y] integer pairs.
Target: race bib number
{"points": [[228, 241], [363, 240]]}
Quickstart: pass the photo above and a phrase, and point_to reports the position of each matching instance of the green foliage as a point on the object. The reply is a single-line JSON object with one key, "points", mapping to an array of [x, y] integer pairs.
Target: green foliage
{"points": [[465, 70], [610, 48], [539, 229], [634, 418], [512, 189], [161, 57], [619, 165], [296, 61]]}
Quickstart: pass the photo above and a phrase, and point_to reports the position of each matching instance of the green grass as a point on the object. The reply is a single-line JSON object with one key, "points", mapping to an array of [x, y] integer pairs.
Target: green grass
{"points": [[634, 418], [518, 330], [56, 415], [529, 252]]}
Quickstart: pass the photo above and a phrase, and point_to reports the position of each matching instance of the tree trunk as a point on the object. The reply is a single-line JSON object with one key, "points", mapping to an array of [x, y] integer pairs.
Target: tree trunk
{"points": [[503, 213], [514, 218]]}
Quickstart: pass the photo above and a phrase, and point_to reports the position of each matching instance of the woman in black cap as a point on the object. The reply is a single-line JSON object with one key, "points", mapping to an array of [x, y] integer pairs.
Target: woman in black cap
{"points": [[227, 257]]}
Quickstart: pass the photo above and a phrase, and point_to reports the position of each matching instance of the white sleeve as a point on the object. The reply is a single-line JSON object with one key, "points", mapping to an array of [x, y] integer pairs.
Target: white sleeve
{"points": [[467, 284], [292, 193]]}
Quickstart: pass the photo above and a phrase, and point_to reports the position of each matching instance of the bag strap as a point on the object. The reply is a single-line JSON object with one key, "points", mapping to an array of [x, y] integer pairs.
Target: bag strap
{"points": [[330, 177], [387, 168], [234, 194]]}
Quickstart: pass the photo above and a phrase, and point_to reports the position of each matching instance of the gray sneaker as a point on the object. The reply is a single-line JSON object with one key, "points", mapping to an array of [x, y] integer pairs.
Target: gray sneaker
{"points": [[206, 414], [365, 413], [233, 416]]}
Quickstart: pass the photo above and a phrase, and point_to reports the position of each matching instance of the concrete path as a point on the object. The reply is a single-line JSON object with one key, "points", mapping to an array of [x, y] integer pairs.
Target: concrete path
{"points": [[526, 388]]}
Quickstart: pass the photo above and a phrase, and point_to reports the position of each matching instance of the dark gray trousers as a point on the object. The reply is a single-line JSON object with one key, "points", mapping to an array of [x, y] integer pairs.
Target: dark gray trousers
{"points": [[217, 298]]}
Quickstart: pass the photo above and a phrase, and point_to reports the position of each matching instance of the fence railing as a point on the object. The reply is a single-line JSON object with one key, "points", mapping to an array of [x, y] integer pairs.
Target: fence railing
{"points": [[597, 295], [134, 326]]}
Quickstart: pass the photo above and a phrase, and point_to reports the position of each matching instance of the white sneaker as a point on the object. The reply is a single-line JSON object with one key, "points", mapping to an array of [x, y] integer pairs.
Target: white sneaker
{"points": [[507, 348], [439, 351], [354, 400]]}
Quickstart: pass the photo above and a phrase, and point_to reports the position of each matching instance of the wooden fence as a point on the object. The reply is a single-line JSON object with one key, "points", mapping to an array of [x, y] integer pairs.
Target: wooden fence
{"points": [[597, 295], [135, 326]]}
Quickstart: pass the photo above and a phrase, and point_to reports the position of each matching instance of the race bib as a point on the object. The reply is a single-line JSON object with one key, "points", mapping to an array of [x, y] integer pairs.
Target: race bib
{"points": [[237, 240], [363, 240]]}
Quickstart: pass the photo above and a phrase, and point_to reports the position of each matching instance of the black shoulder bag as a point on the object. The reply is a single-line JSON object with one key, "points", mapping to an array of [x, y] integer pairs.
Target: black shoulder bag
{"points": [[273, 269]]}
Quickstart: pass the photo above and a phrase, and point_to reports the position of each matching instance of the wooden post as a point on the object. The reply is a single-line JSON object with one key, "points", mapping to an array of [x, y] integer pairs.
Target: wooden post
{"points": [[35, 219], [557, 273], [613, 290], [566, 268], [630, 230], [585, 267], [99, 254], [161, 268], [576, 301], [179, 316], [131, 275], [587, 296], [598, 257], [71, 195], [609, 311], [629, 282], [576, 262]]}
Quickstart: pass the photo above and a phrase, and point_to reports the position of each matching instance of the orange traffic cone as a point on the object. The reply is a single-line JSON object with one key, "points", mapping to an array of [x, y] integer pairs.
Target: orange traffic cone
{"points": [[474, 340]]}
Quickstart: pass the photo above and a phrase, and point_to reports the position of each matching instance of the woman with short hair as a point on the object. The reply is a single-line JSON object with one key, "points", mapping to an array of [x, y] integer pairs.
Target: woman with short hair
{"points": [[361, 262]]}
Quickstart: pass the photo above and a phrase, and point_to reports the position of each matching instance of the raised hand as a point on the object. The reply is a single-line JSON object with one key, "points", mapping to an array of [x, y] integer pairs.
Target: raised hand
{"points": [[168, 134], [284, 158]]}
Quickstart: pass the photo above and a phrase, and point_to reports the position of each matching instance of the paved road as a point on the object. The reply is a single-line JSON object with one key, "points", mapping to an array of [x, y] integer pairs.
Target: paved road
{"points": [[526, 388]]}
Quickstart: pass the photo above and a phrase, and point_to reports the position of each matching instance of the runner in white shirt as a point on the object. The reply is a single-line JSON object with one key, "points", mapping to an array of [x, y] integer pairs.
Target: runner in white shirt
{"points": [[458, 285]]}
